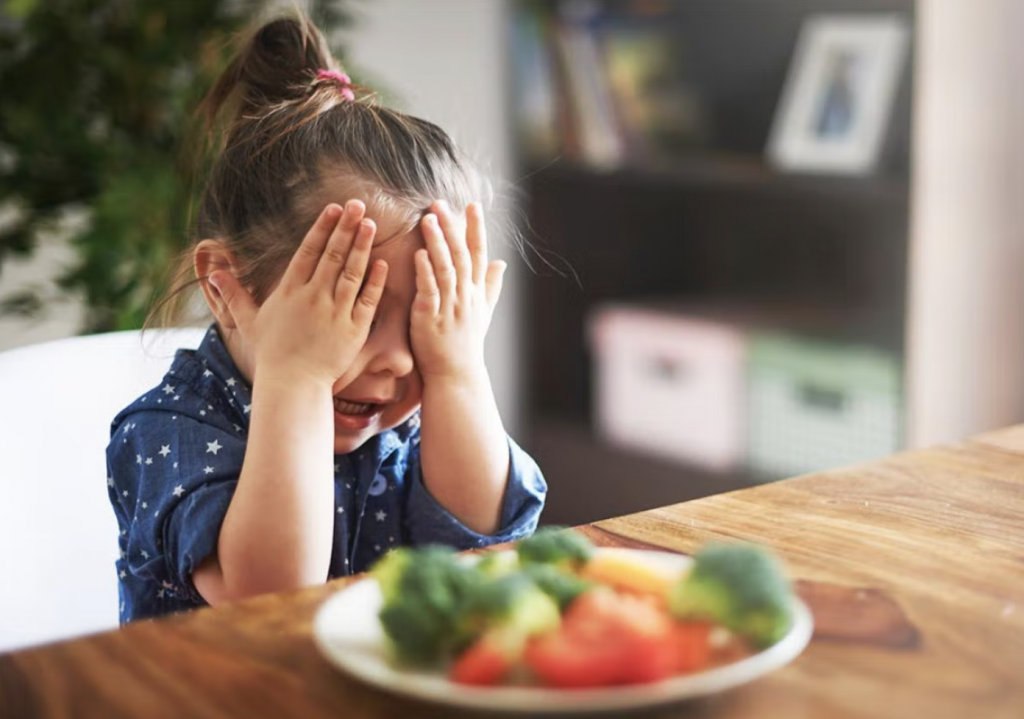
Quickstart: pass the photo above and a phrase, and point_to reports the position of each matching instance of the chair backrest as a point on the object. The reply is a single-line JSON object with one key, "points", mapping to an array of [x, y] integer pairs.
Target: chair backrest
{"points": [[58, 535]]}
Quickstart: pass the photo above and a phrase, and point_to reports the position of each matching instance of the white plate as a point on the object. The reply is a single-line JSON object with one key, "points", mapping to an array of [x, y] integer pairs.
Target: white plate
{"points": [[349, 634]]}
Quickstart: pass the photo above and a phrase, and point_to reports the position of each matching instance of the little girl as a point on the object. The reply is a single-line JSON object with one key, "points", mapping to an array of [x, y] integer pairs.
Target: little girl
{"points": [[339, 405]]}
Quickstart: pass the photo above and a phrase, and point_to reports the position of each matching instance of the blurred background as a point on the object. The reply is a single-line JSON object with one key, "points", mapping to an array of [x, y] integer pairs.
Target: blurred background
{"points": [[763, 237]]}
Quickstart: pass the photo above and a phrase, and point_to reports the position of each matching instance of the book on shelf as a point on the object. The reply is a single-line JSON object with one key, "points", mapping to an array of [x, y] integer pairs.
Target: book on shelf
{"points": [[602, 87], [659, 111], [536, 111], [577, 45]]}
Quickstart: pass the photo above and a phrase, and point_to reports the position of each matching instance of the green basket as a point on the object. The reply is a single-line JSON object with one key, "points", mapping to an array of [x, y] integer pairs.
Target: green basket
{"points": [[814, 406]]}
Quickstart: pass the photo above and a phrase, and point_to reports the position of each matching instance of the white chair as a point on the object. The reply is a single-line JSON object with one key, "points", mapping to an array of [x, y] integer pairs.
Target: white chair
{"points": [[58, 535]]}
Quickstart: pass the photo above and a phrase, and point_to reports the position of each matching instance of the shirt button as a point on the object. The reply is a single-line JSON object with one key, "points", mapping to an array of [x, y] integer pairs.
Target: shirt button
{"points": [[378, 486]]}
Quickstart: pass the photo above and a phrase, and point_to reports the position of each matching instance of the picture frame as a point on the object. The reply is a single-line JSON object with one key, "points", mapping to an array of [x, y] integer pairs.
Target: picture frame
{"points": [[834, 111]]}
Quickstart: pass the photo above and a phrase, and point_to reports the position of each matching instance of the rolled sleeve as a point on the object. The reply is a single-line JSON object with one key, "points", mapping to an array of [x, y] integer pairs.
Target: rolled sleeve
{"points": [[191, 532], [172, 480], [428, 522]]}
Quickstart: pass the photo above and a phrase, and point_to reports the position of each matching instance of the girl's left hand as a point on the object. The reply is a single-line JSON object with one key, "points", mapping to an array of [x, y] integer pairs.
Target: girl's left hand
{"points": [[456, 292]]}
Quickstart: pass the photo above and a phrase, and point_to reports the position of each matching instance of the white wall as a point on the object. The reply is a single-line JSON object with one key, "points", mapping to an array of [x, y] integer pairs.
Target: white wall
{"points": [[443, 60], [966, 330]]}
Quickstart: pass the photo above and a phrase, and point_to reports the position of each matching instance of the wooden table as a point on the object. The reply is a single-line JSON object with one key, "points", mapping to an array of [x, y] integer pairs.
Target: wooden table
{"points": [[914, 567]]}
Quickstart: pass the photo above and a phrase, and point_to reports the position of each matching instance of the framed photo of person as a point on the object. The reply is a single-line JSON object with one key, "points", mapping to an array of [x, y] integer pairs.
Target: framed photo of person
{"points": [[835, 107]]}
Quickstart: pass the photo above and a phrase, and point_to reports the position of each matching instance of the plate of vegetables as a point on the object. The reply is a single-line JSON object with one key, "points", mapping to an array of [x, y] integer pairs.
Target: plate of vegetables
{"points": [[558, 625]]}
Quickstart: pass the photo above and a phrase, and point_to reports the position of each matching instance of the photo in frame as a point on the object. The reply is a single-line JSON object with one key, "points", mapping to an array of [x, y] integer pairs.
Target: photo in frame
{"points": [[834, 112]]}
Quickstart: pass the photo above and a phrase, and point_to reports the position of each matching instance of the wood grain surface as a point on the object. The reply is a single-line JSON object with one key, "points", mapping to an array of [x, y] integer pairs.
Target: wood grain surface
{"points": [[913, 567]]}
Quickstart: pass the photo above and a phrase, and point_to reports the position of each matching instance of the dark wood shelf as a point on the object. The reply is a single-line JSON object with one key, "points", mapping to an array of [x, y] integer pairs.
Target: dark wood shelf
{"points": [[589, 480], [713, 221], [724, 172]]}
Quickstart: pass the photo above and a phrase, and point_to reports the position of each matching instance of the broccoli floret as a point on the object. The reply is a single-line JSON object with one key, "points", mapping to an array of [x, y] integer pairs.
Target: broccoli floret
{"points": [[560, 585], [388, 571], [425, 592], [513, 600], [435, 603], [498, 564], [509, 610], [740, 586], [553, 545]]}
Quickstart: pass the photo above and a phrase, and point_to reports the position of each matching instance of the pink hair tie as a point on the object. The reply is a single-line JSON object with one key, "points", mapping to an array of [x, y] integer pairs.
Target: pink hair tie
{"points": [[339, 77]]}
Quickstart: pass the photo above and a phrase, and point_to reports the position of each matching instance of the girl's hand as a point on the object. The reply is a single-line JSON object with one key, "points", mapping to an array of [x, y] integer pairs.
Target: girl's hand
{"points": [[456, 292], [316, 320]]}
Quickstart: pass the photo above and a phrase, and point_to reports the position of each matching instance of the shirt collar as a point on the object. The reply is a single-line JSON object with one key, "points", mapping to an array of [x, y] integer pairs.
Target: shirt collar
{"points": [[213, 354]]}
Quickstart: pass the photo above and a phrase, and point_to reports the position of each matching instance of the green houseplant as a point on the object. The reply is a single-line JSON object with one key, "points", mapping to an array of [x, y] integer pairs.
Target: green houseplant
{"points": [[95, 120]]}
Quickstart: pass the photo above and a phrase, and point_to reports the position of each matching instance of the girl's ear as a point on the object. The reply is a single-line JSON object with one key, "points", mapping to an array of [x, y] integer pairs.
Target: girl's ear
{"points": [[211, 255]]}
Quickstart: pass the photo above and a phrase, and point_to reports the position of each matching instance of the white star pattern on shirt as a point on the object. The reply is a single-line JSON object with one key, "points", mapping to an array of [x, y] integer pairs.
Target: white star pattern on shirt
{"points": [[149, 460], [144, 553], [123, 574], [360, 467], [138, 459], [160, 594], [207, 373], [125, 493], [168, 389], [110, 481], [177, 397]]}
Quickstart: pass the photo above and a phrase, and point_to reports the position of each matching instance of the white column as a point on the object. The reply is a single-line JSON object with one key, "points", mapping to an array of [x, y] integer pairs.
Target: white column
{"points": [[965, 337]]}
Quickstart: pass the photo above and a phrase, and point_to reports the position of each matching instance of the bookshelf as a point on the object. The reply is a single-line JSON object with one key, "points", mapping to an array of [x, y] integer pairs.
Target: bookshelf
{"points": [[707, 222]]}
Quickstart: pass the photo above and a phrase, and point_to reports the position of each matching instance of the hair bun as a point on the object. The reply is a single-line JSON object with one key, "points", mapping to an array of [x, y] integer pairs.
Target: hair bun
{"points": [[275, 64]]}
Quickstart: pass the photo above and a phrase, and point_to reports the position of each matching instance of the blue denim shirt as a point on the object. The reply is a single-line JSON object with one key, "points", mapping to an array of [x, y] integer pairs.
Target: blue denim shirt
{"points": [[175, 455]]}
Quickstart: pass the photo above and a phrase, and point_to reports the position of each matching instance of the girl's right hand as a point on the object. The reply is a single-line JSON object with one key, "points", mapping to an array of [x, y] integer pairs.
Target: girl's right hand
{"points": [[317, 319]]}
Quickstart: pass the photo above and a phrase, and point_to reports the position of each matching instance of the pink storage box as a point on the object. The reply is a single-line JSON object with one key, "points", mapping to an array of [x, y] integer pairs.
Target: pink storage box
{"points": [[670, 384]]}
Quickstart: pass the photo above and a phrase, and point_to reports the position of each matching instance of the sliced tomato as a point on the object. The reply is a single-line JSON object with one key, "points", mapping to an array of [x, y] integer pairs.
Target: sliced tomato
{"points": [[606, 638], [560, 660], [691, 642], [483, 663]]}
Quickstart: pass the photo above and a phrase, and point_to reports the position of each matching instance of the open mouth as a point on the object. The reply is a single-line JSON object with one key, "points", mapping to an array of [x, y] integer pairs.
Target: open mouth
{"points": [[356, 409]]}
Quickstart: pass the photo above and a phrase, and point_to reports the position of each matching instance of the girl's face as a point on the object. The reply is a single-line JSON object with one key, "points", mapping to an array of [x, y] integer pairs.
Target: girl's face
{"points": [[382, 388]]}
